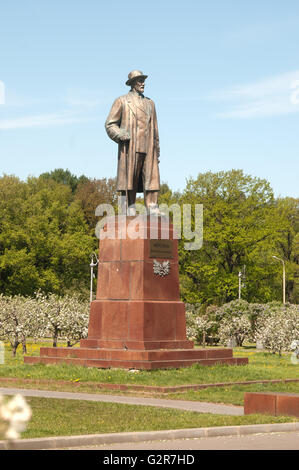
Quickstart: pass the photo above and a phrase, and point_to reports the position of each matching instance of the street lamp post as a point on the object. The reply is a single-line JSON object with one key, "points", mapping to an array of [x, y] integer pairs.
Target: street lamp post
{"points": [[92, 265], [283, 278], [240, 284], [242, 277]]}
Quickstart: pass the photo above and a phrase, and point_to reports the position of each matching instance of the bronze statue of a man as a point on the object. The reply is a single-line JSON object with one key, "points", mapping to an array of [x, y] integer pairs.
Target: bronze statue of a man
{"points": [[132, 123]]}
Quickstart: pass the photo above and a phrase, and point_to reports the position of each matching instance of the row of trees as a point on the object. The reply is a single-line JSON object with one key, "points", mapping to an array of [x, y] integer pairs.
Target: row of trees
{"points": [[47, 235], [274, 325]]}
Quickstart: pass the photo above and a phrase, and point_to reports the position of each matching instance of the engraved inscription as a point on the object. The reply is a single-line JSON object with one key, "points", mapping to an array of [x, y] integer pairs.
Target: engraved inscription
{"points": [[161, 249]]}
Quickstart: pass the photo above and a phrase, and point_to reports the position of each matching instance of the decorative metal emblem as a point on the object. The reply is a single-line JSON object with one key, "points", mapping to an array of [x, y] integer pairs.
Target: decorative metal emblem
{"points": [[162, 269]]}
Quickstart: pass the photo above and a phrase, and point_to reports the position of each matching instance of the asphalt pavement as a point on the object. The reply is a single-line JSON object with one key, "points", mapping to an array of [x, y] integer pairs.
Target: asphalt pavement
{"points": [[200, 407]]}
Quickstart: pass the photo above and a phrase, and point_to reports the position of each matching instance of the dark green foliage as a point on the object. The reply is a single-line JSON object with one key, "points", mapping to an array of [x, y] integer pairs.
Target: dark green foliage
{"points": [[65, 177]]}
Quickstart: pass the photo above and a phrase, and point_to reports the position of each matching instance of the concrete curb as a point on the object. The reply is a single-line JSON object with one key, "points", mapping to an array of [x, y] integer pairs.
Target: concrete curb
{"points": [[65, 442]]}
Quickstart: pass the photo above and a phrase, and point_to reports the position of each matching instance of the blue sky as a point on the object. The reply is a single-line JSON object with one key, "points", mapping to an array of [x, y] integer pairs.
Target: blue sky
{"points": [[224, 76]]}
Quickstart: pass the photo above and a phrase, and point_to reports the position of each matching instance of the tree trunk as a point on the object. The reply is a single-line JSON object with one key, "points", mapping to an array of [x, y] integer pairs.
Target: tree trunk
{"points": [[14, 348], [55, 337]]}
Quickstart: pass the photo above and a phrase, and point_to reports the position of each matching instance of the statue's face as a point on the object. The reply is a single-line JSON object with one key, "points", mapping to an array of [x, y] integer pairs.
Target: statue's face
{"points": [[138, 85]]}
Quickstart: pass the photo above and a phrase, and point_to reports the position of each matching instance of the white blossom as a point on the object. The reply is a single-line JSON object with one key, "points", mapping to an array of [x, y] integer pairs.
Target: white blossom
{"points": [[238, 328], [279, 331], [15, 414], [44, 316]]}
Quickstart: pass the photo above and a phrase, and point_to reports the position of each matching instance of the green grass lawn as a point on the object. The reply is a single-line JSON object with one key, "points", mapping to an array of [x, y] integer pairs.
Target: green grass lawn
{"points": [[234, 394], [53, 417], [262, 366]]}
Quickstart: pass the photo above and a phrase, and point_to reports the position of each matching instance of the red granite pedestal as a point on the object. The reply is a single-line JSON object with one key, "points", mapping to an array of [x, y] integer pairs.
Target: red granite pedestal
{"points": [[137, 320]]}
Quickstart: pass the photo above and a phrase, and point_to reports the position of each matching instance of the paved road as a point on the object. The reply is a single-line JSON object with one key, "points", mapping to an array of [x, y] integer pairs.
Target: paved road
{"points": [[269, 441], [200, 407]]}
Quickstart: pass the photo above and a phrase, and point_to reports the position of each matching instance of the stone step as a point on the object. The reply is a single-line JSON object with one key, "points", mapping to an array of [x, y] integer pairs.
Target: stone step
{"points": [[128, 354], [131, 344], [133, 364]]}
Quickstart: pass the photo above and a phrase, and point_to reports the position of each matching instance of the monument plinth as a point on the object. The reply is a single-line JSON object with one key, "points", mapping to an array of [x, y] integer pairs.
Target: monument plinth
{"points": [[137, 320]]}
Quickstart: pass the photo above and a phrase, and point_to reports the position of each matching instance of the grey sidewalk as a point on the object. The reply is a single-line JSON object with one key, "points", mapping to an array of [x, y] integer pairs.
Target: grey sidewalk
{"points": [[126, 439], [200, 407]]}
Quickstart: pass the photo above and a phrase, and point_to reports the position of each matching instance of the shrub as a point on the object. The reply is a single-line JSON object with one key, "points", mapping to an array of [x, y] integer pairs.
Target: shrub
{"points": [[198, 325], [238, 328], [279, 328]]}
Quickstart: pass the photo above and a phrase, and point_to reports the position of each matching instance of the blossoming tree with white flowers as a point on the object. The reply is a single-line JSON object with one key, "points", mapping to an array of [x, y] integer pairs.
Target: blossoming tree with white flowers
{"points": [[65, 317], [280, 330], [274, 325], [42, 317], [18, 320]]}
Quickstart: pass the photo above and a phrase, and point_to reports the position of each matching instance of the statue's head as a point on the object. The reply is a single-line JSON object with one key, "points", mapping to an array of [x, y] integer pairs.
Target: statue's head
{"points": [[136, 80]]}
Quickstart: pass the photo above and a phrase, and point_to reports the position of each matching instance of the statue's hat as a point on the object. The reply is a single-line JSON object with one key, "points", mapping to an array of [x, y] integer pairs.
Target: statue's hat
{"points": [[133, 75]]}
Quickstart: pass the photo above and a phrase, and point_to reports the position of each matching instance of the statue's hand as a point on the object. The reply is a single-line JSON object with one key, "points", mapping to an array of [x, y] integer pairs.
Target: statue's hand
{"points": [[124, 135]]}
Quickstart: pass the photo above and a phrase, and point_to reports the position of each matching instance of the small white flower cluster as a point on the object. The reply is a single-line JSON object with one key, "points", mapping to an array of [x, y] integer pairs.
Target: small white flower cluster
{"points": [[14, 415]]}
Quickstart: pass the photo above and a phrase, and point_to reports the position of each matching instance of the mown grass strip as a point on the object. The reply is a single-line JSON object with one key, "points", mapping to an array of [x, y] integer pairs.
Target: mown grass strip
{"points": [[54, 417]]}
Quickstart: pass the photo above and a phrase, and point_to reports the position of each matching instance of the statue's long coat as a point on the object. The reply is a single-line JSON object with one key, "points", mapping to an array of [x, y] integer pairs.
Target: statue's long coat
{"points": [[123, 115]]}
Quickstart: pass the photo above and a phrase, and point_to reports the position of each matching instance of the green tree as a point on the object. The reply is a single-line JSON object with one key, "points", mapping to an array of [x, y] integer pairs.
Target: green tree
{"points": [[287, 247], [65, 177], [295, 253], [93, 192], [44, 241]]}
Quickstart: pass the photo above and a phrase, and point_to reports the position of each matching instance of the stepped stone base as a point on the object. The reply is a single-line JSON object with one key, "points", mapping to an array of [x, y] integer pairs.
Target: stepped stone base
{"points": [[137, 320], [135, 359]]}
